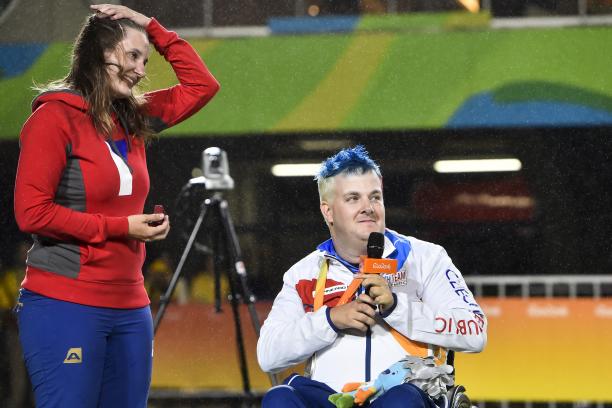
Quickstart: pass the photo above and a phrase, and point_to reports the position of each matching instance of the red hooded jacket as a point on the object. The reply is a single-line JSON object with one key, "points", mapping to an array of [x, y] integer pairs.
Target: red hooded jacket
{"points": [[74, 190]]}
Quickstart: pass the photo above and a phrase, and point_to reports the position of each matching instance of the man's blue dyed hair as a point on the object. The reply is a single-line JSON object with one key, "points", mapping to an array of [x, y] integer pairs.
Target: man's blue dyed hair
{"points": [[352, 160]]}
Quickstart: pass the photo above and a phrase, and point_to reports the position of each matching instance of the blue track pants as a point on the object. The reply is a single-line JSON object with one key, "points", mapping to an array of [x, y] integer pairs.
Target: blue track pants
{"points": [[85, 357], [302, 392]]}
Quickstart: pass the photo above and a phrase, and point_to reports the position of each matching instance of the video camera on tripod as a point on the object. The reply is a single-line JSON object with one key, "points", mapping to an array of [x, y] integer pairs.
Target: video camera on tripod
{"points": [[215, 169], [225, 249]]}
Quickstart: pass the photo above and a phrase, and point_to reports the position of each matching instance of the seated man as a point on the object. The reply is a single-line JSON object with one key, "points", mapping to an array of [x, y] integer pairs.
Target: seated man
{"points": [[422, 310]]}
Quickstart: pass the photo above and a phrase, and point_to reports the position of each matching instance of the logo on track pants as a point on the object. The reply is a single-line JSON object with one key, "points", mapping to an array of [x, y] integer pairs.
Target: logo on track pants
{"points": [[74, 356]]}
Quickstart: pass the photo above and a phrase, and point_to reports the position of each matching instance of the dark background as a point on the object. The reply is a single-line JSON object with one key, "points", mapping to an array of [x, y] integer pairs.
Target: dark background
{"points": [[568, 173], [190, 13]]}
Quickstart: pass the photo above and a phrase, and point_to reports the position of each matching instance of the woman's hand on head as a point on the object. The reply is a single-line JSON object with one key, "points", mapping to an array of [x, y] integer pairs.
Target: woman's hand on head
{"points": [[139, 227], [115, 12]]}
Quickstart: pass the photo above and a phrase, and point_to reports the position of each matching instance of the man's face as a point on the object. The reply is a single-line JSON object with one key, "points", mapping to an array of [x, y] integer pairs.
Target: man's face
{"points": [[355, 209]]}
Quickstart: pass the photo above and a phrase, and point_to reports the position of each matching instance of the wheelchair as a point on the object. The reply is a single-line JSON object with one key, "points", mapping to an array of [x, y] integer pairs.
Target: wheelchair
{"points": [[455, 396]]}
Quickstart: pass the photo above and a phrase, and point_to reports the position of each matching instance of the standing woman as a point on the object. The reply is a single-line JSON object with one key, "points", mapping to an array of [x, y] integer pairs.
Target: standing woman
{"points": [[84, 317]]}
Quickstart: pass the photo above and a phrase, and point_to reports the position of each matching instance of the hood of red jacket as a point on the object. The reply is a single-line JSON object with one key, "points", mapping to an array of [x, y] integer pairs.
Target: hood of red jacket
{"points": [[67, 96]]}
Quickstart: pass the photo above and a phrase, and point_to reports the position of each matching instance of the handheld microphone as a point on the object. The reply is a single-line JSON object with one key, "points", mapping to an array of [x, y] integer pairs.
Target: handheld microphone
{"points": [[376, 245], [372, 263]]}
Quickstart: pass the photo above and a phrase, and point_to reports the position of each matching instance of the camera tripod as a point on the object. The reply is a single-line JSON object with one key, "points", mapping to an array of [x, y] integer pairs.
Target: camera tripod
{"points": [[226, 249]]}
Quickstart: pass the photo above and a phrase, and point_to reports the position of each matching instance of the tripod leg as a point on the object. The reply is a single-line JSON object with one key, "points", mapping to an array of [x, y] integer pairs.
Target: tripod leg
{"points": [[165, 299], [217, 268], [241, 273], [225, 257], [238, 264], [235, 302]]}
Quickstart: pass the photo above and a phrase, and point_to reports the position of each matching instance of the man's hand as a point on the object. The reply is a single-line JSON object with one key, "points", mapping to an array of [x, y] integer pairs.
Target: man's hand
{"points": [[378, 289], [357, 315], [140, 229]]}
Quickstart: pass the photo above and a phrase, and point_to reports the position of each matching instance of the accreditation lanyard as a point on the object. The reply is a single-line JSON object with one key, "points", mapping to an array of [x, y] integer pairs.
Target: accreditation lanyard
{"points": [[412, 347]]}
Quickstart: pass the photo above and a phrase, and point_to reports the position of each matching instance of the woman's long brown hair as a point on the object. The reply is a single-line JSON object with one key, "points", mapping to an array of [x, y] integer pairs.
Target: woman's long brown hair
{"points": [[88, 75]]}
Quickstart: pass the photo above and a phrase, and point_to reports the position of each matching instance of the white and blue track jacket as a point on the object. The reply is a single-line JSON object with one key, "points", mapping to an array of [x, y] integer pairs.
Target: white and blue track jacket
{"points": [[433, 306]]}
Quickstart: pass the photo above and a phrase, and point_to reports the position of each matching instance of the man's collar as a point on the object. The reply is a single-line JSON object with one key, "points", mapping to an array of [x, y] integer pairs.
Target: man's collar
{"points": [[389, 245], [330, 250]]}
